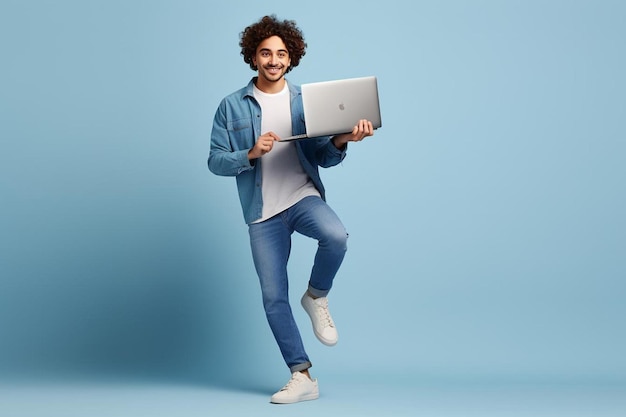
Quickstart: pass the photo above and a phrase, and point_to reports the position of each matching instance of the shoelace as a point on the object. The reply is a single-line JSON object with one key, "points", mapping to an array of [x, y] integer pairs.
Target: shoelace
{"points": [[293, 382], [323, 314]]}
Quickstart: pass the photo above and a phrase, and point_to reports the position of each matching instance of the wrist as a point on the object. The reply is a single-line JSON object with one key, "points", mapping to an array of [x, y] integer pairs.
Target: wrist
{"points": [[338, 142]]}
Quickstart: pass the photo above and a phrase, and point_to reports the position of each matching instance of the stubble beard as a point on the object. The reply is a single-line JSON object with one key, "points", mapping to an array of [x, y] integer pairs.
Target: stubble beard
{"points": [[267, 76]]}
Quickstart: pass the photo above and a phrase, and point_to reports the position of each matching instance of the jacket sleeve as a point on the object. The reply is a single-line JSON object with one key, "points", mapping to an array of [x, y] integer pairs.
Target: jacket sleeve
{"points": [[223, 159], [327, 154]]}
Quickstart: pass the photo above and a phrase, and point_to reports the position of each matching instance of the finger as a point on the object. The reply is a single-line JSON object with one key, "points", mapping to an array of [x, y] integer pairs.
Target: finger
{"points": [[273, 135], [265, 144], [365, 126], [362, 129], [361, 125]]}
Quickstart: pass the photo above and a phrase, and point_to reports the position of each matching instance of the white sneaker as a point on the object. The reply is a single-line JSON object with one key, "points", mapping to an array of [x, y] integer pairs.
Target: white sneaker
{"points": [[323, 325], [299, 388]]}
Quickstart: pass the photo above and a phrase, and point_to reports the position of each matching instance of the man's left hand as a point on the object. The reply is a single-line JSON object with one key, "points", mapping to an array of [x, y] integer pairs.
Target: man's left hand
{"points": [[359, 132]]}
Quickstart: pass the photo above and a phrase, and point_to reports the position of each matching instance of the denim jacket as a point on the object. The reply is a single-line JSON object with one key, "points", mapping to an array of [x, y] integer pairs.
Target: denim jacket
{"points": [[236, 127]]}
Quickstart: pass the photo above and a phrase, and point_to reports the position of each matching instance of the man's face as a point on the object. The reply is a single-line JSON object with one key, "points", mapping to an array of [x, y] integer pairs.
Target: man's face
{"points": [[272, 59]]}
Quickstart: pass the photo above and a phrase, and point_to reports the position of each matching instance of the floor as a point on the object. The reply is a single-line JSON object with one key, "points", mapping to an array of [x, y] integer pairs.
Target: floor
{"points": [[347, 397]]}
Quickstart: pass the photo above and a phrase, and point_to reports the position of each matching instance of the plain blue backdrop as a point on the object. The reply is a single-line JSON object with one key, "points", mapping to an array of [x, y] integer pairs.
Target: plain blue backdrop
{"points": [[486, 216]]}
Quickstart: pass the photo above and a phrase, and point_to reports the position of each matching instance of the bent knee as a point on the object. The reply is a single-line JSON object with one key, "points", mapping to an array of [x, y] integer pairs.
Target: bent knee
{"points": [[336, 239]]}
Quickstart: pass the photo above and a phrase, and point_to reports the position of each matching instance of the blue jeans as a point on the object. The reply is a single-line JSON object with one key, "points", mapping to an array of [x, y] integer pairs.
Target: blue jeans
{"points": [[271, 245]]}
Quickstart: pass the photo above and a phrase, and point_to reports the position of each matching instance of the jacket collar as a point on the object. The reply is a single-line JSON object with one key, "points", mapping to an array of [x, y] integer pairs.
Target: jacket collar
{"points": [[249, 89]]}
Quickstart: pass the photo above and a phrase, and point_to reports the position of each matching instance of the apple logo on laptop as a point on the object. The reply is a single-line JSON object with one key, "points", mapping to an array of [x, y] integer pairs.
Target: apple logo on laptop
{"points": [[341, 106]]}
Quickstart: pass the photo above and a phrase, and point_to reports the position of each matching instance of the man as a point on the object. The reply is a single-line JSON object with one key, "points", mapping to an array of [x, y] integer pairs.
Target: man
{"points": [[280, 189]]}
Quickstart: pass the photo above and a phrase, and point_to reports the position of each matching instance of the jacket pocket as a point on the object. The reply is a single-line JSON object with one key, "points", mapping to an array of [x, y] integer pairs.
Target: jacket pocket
{"points": [[239, 124], [240, 132]]}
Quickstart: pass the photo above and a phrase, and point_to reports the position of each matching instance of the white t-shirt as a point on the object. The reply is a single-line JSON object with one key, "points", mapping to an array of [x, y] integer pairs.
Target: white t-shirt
{"points": [[284, 180]]}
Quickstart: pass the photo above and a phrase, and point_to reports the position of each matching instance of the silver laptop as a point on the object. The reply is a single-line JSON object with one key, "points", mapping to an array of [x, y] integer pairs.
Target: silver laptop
{"points": [[335, 107]]}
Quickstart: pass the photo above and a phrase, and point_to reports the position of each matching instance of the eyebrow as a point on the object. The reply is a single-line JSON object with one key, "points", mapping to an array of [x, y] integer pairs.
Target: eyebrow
{"points": [[269, 50]]}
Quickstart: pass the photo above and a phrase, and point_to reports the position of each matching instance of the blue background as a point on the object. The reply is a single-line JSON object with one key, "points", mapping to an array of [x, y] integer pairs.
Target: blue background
{"points": [[486, 217]]}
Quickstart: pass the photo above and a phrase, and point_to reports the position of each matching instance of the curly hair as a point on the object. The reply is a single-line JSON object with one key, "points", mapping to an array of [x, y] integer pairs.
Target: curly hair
{"points": [[267, 27]]}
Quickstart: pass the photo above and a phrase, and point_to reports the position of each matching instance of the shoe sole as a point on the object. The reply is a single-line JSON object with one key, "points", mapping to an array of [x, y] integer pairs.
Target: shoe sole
{"points": [[308, 397], [324, 341]]}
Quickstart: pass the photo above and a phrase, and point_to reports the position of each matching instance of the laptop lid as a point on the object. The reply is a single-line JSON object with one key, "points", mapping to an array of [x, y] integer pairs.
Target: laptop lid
{"points": [[335, 107]]}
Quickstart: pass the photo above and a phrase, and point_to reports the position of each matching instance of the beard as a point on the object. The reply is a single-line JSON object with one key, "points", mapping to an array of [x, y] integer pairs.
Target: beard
{"points": [[273, 77]]}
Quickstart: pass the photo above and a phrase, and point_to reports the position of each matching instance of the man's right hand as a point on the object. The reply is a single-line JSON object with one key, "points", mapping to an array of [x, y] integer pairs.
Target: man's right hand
{"points": [[263, 145]]}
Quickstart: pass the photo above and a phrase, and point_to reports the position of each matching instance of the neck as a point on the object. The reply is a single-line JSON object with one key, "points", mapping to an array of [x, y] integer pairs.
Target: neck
{"points": [[270, 87]]}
